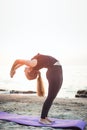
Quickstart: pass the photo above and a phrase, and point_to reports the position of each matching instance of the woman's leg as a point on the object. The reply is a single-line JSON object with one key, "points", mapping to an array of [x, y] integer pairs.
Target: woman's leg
{"points": [[52, 92], [55, 81]]}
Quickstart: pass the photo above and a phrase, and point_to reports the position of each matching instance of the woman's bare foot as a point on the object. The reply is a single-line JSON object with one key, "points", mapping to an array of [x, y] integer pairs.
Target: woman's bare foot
{"points": [[49, 120], [44, 121]]}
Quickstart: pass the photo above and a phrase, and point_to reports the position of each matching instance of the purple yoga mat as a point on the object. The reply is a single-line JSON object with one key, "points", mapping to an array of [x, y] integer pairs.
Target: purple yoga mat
{"points": [[34, 121]]}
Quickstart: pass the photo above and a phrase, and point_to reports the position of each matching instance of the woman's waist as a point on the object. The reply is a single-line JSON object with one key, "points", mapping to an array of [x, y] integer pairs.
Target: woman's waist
{"points": [[57, 63], [56, 66]]}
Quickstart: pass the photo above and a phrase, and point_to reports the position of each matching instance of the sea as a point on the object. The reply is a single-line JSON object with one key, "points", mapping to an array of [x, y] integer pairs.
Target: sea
{"points": [[74, 79]]}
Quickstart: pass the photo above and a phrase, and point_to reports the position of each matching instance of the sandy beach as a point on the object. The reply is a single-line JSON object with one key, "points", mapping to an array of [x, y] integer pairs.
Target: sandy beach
{"points": [[29, 104]]}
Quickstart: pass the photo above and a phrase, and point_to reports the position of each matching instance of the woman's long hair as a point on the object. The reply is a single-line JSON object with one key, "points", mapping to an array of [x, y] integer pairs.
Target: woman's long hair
{"points": [[33, 75], [40, 85]]}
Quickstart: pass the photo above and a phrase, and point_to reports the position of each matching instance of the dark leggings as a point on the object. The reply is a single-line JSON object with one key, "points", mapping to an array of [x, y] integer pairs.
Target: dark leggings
{"points": [[55, 78]]}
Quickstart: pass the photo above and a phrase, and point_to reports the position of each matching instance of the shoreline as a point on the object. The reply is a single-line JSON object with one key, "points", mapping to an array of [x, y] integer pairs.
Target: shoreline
{"points": [[29, 104]]}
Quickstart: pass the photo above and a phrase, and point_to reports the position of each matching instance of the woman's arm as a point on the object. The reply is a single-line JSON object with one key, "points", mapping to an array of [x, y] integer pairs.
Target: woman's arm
{"points": [[19, 62]]}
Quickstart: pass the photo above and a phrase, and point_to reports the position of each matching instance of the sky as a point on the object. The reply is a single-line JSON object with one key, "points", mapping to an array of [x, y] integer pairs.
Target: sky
{"points": [[52, 27]]}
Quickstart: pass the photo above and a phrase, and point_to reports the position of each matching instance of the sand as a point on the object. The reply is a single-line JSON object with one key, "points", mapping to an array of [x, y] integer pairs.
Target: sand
{"points": [[29, 104]]}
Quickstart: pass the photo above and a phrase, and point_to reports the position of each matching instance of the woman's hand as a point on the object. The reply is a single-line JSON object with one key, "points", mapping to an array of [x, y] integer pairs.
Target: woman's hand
{"points": [[12, 72], [15, 66]]}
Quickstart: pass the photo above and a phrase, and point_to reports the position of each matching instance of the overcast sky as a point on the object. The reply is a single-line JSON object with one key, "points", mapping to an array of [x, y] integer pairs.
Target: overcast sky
{"points": [[54, 27]]}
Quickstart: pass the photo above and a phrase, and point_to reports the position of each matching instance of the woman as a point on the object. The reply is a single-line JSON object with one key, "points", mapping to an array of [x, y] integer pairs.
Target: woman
{"points": [[54, 76]]}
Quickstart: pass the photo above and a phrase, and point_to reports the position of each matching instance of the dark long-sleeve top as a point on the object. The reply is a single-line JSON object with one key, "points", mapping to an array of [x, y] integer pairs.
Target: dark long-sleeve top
{"points": [[44, 61]]}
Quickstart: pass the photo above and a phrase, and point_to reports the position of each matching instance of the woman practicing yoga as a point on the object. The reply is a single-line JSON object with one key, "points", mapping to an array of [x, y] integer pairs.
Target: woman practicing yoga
{"points": [[54, 76]]}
